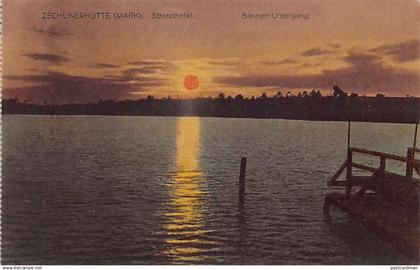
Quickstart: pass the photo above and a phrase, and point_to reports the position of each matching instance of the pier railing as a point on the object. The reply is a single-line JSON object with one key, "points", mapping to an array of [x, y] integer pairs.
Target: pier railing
{"points": [[387, 200], [412, 165]]}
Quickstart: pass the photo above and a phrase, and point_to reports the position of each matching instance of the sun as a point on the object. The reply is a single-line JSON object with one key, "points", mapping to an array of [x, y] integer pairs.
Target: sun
{"points": [[191, 82]]}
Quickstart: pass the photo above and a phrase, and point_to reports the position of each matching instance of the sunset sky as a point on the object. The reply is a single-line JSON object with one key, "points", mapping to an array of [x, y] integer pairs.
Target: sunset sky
{"points": [[363, 46]]}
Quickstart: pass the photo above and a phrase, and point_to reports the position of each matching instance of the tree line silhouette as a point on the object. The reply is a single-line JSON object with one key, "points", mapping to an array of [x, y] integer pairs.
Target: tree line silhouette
{"points": [[339, 106]]}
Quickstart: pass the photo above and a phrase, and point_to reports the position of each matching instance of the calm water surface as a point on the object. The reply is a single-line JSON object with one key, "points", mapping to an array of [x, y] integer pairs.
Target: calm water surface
{"points": [[154, 190]]}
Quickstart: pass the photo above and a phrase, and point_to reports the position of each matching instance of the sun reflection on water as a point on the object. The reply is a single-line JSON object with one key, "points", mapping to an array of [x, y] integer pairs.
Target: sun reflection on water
{"points": [[187, 238]]}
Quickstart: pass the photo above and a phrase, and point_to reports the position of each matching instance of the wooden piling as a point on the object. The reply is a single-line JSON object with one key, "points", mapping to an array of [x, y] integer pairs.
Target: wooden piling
{"points": [[349, 173], [382, 164], [242, 173], [348, 135], [415, 138], [381, 171], [411, 154], [409, 166], [349, 162]]}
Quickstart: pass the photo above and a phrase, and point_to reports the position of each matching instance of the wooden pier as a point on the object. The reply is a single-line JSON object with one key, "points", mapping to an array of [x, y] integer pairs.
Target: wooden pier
{"points": [[386, 200]]}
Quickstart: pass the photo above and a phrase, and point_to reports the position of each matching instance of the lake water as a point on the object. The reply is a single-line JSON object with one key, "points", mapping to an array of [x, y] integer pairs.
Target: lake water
{"points": [[163, 190]]}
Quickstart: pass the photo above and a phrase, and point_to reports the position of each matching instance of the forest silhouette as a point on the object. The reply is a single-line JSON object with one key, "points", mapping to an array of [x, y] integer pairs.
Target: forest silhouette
{"points": [[312, 105]]}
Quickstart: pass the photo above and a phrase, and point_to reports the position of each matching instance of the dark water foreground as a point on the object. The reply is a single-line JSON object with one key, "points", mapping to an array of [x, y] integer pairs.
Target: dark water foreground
{"points": [[152, 190]]}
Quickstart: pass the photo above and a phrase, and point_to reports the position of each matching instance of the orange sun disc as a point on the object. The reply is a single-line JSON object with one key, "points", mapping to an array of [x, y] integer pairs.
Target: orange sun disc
{"points": [[191, 82]]}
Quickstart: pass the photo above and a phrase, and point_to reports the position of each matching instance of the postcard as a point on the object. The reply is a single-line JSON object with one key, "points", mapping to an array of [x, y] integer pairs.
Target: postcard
{"points": [[225, 132]]}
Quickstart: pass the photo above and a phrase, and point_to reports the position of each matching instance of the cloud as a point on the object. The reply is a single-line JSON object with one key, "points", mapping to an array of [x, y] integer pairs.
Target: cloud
{"points": [[150, 67], [401, 52], [334, 45], [225, 62], [48, 57], [155, 63], [309, 65], [361, 59], [315, 52], [57, 87], [104, 65], [279, 62], [148, 62], [133, 72], [138, 81], [366, 74], [52, 32]]}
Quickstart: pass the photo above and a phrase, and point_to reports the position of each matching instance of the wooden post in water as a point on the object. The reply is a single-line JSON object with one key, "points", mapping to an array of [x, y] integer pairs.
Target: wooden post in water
{"points": [[382, 165], [349, 162], [348, 135], [349, 173], [409, 166], [410, 155], [242, 180]]}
